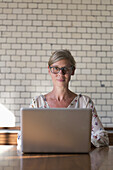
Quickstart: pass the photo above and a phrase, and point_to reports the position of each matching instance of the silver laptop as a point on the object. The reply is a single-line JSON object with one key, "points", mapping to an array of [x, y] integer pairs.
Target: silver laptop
{"points": [[59, 130]]}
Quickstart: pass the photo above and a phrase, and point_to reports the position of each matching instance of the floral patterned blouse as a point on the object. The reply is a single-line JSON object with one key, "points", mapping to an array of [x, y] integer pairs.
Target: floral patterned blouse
{"points": [[99, 137]]}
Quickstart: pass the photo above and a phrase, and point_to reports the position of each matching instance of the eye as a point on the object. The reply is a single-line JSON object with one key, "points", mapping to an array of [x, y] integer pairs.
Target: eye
{"points": [[56, 68], [65, 68]]}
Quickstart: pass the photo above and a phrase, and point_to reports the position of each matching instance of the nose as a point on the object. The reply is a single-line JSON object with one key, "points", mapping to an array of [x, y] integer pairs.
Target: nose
{"points": [[61, 72]]}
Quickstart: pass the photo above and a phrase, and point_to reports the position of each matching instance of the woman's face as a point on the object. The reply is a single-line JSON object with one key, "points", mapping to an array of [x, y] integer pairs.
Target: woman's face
{"points": [[61, 77]]}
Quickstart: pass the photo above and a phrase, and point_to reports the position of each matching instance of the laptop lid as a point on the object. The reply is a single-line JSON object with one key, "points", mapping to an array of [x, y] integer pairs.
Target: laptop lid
{"points": [[59, 130]]}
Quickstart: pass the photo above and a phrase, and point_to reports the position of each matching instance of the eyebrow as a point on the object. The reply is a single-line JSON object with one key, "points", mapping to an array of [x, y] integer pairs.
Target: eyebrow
{"points": [[60, 67]]}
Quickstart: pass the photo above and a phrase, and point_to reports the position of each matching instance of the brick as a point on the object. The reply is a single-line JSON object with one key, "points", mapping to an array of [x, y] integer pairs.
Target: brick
{"points": [[86, 47], [5, 70], [2, 64], [40, 89], [81, 18], [10, 76], [11, 40], [37, 23], [10, 64], [20, 88], [42, 29], [96, 48], [106, 2], [76, 2], [35, 11], [86, 71], [22, 5], [96, 36], [91, 90], [16, 46], [86, 83], [15, 82], [2, 40], [110, 66], [106, 120], [96, 96], [25, 82], [81, 53], [27, 11], [45, 82], [106, 96], [106, 13], [105, 48], [32, 17], [81, 6], [6, 34], [31, 29], [81, 90], [91, 18], [81, 30], [91, 77], [3, 5], [47, 11], [26, 23], [26, 46], [15, 70], [81, 41], [35, 82], [51, 29], [7, 22], [45, 23], [3, 16], [61, 17], [86, 1], [65, 12], [32, 5], [17, 22], [2, 88], [9, 88], [30, 88], [26, 70], [25, 95], [5, 82], [3, 28]]}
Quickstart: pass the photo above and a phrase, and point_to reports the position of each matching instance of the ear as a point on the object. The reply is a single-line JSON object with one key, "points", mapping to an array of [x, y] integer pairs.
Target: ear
{"points": [[73, 71], [49, 70]]}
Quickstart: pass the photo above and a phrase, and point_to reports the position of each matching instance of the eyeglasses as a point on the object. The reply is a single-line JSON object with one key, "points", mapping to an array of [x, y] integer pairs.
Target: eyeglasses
{"points": [[65, 70]]}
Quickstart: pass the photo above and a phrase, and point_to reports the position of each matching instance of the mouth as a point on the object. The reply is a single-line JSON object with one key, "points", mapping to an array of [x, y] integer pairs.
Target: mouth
{"points": [[61, 80]]}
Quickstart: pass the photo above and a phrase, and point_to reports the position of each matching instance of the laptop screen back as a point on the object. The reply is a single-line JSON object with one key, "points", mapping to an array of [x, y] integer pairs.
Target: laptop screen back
{"points": [[60, 130]]}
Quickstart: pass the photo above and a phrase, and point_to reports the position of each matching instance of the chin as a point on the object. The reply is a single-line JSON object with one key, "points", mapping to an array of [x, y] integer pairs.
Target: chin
{"points": [[61, 83]]}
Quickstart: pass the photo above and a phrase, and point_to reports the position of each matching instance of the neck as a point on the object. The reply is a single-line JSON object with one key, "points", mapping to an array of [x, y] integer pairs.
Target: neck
{"points": [[60, 93]]}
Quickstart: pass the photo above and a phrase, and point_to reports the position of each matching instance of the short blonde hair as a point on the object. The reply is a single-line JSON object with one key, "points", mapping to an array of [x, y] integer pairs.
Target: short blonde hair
{"points": [[60, 55]]}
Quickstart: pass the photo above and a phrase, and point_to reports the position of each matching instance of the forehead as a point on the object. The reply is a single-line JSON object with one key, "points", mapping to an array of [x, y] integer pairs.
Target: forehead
{"points": [[62, 63]]}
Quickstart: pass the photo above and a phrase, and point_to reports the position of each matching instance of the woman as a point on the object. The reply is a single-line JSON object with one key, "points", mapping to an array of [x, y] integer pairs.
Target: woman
{"points": [[61, 67]]}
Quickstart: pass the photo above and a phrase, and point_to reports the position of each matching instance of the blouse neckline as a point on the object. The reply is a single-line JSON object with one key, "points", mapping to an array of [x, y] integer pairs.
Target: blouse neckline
{"points": [[75, 98]]}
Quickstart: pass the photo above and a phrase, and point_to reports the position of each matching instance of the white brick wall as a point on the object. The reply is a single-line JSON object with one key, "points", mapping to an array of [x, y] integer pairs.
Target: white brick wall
{"points": [[30, 30]]}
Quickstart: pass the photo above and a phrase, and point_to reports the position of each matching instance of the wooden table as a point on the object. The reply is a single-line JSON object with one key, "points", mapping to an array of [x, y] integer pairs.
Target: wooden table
{"points": [[8, 135], [97, 159]]}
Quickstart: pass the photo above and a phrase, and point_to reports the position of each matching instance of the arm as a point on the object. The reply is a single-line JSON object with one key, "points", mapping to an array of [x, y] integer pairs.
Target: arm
{"points": [[99, 137]]}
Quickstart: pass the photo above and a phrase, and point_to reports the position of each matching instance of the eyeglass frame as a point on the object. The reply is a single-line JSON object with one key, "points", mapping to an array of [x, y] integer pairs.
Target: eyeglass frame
{"points": [[62, 68]]}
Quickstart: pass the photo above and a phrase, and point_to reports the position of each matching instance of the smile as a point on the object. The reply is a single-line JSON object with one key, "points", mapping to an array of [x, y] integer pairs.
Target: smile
{"points": [[61, 80]]}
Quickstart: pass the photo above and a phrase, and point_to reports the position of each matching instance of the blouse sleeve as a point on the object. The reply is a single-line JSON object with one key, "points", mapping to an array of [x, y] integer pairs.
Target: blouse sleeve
{"points": [[99, 137], [33, 103]]}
